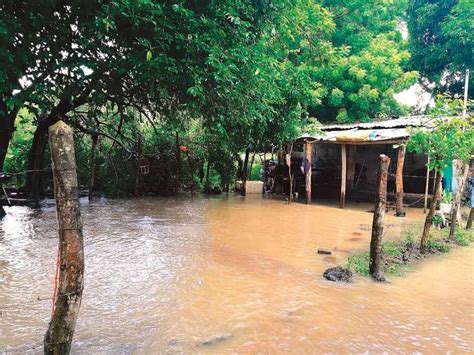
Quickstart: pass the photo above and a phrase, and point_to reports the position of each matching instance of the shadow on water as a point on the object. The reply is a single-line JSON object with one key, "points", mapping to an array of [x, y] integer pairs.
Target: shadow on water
{"points": [[229, 275]]}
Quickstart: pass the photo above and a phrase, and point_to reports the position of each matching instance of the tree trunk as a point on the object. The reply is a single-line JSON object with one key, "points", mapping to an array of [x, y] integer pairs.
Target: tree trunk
{"points": [[95, 140], [244, 171], [457, 201], [431, 212], [191, 169], [58, 337], [399, 181], [375, 265], [178, 163], [251, 165], [7, 127], [33, 186], [208, 170]]}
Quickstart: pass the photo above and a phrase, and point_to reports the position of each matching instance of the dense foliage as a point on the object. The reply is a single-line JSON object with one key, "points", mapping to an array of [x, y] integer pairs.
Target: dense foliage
{"points": [[184, 87], [441, 41]]}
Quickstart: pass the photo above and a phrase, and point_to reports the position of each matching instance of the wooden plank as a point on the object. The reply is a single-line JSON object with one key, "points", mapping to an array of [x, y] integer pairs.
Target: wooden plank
{"points": [[343, 174]]}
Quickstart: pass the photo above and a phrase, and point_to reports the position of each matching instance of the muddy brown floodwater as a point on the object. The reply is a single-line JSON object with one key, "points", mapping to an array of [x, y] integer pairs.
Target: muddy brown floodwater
{"points": [[226, 275]]}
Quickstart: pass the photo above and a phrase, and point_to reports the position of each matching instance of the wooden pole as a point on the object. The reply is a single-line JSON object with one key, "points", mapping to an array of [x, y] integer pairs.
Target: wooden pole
{"points": [[309, 154], [343, 174], [60, 332], [243, 191], [399, 181], [375, 266], [427, 185], [469, 219], [456, 204]]}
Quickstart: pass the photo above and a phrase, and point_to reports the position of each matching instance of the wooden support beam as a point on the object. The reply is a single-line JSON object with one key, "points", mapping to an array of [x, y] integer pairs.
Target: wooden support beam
{"points": [[399, 181], [375, 264], [343, 174], [308, 172]]}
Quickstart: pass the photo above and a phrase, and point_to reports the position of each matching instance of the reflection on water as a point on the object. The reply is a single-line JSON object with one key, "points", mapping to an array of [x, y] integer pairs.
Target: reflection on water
{"points": [[229, 275]]}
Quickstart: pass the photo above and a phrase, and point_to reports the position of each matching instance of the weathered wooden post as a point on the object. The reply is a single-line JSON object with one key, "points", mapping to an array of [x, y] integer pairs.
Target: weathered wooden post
{"points": [[60, 332], [308, 172], [343, 174], [375, 266], [399, 181], [456, 204]]}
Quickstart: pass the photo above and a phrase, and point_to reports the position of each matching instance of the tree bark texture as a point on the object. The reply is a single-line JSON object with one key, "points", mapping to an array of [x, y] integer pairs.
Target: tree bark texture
{"points": [[33, 184], [431, 212], [60, 332], [375, 265], [457, 200], [399, 181]]}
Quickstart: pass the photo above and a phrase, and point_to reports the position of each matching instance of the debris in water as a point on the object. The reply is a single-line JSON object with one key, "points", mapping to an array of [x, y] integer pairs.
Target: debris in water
{"points": [[324, 251], [338, 274], [215, 339]]}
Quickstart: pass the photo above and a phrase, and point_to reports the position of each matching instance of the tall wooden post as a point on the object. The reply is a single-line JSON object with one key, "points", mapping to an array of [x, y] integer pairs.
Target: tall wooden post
{"points": [[427, 185], [375, 266], [343, 174], [309, 155], [399, 181], [456, 204], [469, 219], [60, 332], [243, 191]]}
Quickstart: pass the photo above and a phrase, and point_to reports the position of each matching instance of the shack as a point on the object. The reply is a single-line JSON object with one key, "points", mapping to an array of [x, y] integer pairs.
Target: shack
{"points": [[340, 161]]}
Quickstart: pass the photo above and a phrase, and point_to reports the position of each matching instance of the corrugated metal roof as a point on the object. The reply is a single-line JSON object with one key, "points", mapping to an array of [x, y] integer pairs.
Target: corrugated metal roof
{"points": [[408, 121], [376, 131]]}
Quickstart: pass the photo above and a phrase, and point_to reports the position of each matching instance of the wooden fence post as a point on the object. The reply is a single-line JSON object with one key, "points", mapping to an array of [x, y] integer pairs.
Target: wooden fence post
{"points": [[309, 154], [343, 174], [375, 266], [399, 181], [60, 332]]}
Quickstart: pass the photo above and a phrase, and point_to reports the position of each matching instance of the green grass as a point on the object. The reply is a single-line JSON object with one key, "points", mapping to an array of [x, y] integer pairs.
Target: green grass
{"points": [[397, 264], [463, 237], [359, 263]]}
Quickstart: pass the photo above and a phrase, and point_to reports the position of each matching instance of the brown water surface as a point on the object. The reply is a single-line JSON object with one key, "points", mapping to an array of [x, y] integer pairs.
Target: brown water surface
{"points": [[230, 275]]}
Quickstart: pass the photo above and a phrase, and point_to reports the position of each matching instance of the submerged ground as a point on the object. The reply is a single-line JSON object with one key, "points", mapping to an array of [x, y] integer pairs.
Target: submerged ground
{"points": [[230, 275]]}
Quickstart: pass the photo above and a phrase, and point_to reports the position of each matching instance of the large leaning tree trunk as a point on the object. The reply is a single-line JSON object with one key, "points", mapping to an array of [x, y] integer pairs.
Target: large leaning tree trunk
{"points": [[33, 186], [429, 217], [375, 264], [7, 127], [60, 332]]}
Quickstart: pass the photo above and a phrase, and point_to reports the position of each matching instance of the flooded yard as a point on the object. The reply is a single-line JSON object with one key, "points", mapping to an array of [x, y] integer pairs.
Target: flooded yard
{"points": [[224, 275]]}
